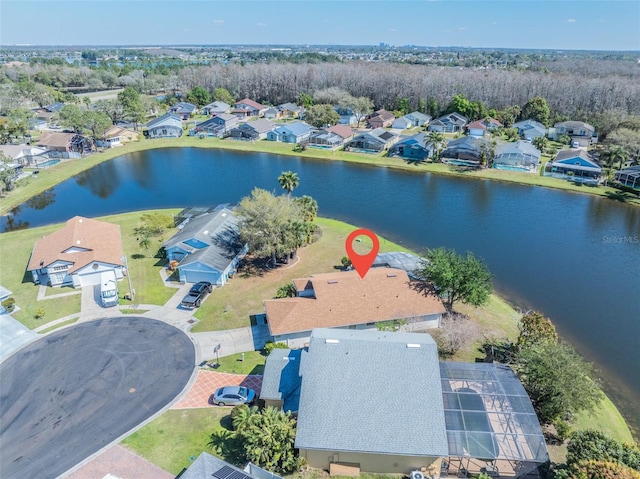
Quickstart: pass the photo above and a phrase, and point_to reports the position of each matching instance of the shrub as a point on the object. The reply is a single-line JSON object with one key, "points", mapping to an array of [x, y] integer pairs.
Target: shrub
{"points": [[346, 262], [270, 346], [9, 304], [39, 314], [286, 291]]}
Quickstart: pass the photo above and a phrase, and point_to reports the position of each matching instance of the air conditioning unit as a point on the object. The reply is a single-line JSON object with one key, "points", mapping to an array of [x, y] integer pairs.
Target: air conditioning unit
{"points": [[417, 475]]}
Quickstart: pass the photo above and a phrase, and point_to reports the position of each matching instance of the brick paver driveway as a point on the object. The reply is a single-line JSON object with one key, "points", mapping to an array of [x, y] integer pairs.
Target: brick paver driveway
{"points": [[208, 381]]}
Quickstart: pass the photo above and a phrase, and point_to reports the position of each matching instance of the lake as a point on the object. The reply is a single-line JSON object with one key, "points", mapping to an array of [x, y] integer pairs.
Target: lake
{"points": [[574, 257]]}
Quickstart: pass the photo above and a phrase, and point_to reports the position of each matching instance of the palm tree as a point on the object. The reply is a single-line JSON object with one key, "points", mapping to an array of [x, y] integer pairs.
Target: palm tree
{"points": [[439, 144], [617, 154], [541, 143], [145, 242], [289, 181]]}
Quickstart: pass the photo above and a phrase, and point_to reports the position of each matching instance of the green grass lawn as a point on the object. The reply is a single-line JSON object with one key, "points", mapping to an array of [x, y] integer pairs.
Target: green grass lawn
{"points": [[144, 265], [13, 276], [173, 440], [230, 307], [253, 363], [143, 268]]}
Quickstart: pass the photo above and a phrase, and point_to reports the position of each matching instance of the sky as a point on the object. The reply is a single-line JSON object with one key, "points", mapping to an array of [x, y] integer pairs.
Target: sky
{"points": [[561, 24]]}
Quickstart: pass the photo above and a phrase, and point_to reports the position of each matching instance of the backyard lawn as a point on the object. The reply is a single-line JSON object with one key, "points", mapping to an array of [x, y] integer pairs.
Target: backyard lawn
{"points": [[230, 307], [176, 438]]}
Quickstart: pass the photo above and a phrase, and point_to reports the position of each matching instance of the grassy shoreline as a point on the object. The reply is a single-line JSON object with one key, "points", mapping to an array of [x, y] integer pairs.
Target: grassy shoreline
{"points": [[52, 176], [230, 306]]}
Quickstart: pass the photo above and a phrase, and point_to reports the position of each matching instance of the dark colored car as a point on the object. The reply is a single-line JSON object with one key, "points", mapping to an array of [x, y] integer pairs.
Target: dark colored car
{"points": [[233, 395], [196, 294]]}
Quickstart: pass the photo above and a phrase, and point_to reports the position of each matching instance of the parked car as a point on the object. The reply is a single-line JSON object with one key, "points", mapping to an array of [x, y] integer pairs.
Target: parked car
{"points": [[196, 294], [233, 395]]}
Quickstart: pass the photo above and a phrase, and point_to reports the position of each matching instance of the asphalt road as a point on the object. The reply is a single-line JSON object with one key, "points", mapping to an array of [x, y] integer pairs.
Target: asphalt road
{"points": [[67, 395]]}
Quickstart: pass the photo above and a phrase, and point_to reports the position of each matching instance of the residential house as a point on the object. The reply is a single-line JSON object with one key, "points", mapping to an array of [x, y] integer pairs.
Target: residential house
{"points": [[298, 132], [248, 108], [418, 119], [14, 166], [575, 165], [272, 113], [281, 387], [290, 110], [37, 124], [464, 150], [64, 145], [216, 108], [219, 125], [380, 119], [206, 466], [628, 177], [414, 148], [347, 116], [117, 136], [207, 247], [447, 419], [373, 141], [411, 120], [344, 300], [252, 130], [184, 110], [518, 156], [450, 123], [165, 126], [49, 112], [530, 129], [580, 132], [479, 127], [330, 138], [77, 254], [26, 155], [402, 123]]}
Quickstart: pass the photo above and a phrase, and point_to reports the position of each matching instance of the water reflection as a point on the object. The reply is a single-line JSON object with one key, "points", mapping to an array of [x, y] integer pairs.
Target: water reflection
{"points": [[102, 182], [39, 202]]}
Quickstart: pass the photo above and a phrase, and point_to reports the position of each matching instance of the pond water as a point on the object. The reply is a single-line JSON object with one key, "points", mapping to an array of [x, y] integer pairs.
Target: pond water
{"points": [[574, 257]]}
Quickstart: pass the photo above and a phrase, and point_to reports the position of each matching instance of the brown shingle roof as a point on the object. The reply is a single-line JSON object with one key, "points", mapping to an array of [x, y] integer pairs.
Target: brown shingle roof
{"points": [[251, 103], [343, 299], [344, 131], [56, 139], [100, 241]]}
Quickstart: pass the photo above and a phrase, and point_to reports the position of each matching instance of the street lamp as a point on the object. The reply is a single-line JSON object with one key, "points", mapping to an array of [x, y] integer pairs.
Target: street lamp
{"points": [[126, 266]]}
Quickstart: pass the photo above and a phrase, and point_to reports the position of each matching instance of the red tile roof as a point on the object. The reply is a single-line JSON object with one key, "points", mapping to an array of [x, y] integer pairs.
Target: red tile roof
{"points": [[343, 299], [92, 241]]}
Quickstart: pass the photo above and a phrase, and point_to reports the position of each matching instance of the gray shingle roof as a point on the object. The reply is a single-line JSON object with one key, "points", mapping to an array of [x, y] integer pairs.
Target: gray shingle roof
{"points": [[372, 391], [206, 465], [219, 230], [281, 379], [162, 119]]}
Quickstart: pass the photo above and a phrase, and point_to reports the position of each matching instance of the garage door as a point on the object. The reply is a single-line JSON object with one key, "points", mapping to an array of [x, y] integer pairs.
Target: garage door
{"points": [[195, 276], [91, 278]]}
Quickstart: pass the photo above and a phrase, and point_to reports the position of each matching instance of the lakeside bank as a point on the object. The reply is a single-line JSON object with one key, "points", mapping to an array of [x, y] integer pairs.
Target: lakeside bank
{"points": [[227, 307], [50, 177]]}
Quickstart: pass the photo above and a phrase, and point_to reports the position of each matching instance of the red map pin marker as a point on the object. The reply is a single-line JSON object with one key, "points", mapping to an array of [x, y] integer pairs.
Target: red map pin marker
{"points": [[362, 263]]}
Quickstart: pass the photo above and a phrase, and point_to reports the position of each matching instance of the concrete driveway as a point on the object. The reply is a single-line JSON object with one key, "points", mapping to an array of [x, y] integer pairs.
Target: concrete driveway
{"points": [[72, 392], [13, 335], [208, 381]]}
